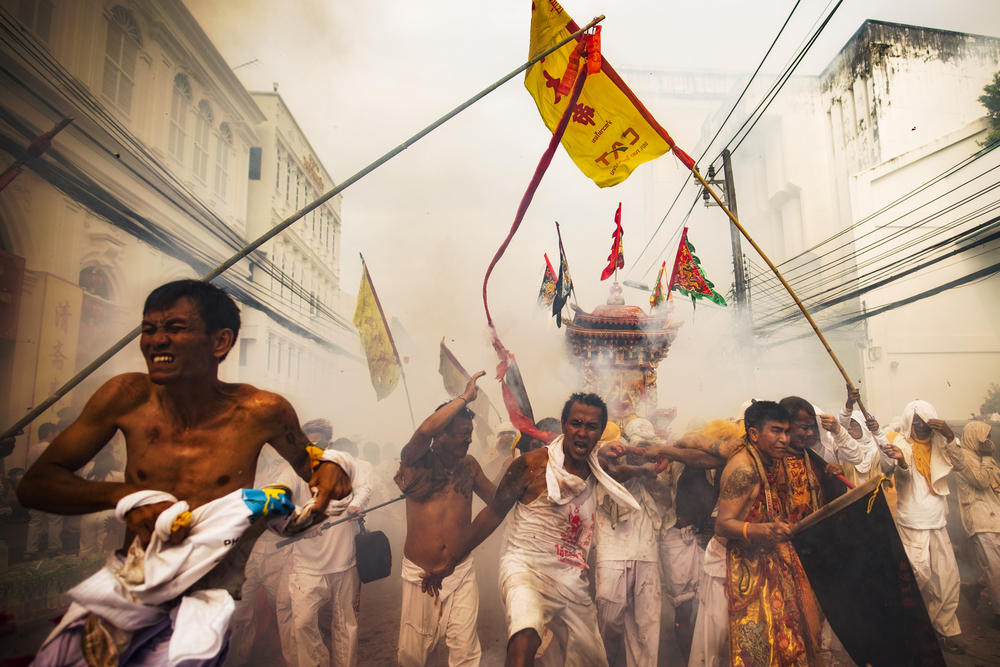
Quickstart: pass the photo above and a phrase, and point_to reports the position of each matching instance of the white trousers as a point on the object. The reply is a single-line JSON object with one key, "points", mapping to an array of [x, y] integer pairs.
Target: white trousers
{"points": [[710, 644], [93, 532], [423, 621], [987, 548], [574, 625], [267, 568], [936, 570], [628, 602], [681, 559], [52, 524], [309, 592]]}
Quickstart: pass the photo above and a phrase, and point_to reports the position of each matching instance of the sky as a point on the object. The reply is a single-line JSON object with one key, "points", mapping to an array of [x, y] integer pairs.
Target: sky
{"points": [[362, 77]]}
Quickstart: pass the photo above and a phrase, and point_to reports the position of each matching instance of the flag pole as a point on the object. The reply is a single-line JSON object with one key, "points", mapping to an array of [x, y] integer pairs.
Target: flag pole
{"points": [[787, 287], [284, 224], [38, 146]]}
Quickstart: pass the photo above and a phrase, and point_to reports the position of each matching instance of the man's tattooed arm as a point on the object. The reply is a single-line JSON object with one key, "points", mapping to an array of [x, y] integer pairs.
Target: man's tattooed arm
{"points": [[739, 483]]}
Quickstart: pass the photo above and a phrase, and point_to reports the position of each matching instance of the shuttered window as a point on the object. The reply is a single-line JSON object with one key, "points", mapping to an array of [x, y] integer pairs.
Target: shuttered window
{"points": [[120, 52]]}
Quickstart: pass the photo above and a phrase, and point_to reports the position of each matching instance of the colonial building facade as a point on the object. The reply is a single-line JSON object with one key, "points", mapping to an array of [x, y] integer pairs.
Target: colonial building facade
{"points": [[169, 167]]}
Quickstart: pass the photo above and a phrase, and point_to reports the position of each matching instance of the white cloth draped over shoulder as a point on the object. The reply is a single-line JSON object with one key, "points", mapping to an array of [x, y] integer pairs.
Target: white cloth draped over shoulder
{"points": [[563, 486]]}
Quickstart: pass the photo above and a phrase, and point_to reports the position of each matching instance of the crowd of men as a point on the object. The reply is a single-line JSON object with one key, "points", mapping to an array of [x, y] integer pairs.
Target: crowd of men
{"points": [[701, 523]]}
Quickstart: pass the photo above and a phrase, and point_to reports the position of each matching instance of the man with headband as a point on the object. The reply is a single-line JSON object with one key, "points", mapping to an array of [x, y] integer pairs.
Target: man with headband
{"points": [[925, 451], [189, 438]]}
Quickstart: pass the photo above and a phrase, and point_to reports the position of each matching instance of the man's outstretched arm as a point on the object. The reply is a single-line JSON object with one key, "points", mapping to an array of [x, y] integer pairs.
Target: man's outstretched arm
{"points": [[421, 440], [50, 484]]}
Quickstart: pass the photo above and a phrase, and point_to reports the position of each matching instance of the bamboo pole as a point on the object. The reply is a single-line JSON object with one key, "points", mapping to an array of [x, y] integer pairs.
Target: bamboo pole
{"points": [[788, 287], [280, 227], [37, 146], [325, 526]]}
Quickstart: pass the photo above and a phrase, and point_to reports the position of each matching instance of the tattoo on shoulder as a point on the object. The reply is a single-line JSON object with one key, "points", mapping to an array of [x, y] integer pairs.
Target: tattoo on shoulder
{"points": [[739, 483], [509, 489]]}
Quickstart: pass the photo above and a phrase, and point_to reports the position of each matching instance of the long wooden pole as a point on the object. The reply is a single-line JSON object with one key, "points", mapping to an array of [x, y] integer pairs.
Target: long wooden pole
{"points": [[280, 227], [781, 278]]}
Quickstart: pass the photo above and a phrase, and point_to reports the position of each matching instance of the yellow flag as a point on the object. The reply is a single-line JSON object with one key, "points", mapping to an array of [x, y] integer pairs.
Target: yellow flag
{"points": [[610, 133], [383, 361]]}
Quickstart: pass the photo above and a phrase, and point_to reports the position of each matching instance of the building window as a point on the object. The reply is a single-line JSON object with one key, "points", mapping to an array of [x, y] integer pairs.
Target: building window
{"points": [[222, 151], [120, 51], [94, 281], [36, 15], [179, 101], [277, 172], [288, 178], [202, 130]]}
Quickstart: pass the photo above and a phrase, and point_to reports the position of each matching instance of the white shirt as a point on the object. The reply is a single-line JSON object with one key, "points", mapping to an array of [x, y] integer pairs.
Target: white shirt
{"points": [[332, 550], [916, 506], [635, 537], [35, 451]]}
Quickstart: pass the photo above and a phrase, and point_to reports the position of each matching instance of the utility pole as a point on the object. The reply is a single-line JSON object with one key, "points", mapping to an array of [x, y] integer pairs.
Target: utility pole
{"points": [[743, 316], [742, 293]]}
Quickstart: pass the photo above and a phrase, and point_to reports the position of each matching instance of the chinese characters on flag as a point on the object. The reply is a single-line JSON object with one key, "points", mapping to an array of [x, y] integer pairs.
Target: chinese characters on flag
{"points": [[57, 342]]}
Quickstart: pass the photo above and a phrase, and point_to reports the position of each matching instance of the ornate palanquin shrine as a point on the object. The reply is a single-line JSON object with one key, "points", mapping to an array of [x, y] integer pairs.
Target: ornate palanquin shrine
{"points": [[618, 349]]}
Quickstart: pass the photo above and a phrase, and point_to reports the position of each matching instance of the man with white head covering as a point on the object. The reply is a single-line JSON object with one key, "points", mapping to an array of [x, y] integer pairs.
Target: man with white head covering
{"points": [[495, 460], [978, 486], [628, 567], [926, 450], [868, 434], [813, 429]]}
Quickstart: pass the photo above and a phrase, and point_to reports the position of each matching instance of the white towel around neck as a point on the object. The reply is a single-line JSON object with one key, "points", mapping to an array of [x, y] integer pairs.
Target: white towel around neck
{"points": [[563, 485]]}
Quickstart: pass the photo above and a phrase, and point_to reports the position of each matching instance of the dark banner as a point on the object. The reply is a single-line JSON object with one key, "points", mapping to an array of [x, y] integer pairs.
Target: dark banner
{"points": [[862, 578]]}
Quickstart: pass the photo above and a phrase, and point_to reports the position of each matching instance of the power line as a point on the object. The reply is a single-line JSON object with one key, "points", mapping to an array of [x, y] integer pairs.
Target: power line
{"points": [[709, 145]]}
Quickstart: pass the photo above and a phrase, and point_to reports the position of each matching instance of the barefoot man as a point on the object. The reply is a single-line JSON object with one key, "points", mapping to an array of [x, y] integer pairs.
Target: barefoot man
{"points": [[438, 477], [187, 434], [543, 561]]}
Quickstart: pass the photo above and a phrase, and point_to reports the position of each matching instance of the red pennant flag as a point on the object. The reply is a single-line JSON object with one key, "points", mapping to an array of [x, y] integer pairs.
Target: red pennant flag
{"points": [[616, 260]]}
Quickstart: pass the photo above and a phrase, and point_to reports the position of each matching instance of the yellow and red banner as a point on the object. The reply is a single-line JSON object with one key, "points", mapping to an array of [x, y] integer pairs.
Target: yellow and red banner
{"points": [[610, 132], [383, 360]]}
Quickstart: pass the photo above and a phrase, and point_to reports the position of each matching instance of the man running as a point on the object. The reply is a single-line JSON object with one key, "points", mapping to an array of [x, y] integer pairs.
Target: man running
{"points": [[543, 562], [438, 477], [187, 434]]}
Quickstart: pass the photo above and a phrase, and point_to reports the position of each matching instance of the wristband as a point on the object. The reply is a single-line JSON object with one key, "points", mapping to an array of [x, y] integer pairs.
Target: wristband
{"points": [[463, 398], [745, 524]]}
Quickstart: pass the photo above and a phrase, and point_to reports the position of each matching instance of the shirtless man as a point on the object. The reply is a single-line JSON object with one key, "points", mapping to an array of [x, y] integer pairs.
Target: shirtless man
{"points": [[438, 477], [543, 564], [186, 432], [760, 563]]}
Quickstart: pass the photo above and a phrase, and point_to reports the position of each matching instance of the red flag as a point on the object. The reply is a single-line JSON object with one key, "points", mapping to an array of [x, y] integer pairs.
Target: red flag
{"points": [[657, 298], [616, 260], [687, 276]]}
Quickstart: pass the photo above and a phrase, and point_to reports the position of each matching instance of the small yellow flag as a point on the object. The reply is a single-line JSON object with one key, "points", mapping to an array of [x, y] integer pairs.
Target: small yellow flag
{"points": [[383, 361], [610, 133]]}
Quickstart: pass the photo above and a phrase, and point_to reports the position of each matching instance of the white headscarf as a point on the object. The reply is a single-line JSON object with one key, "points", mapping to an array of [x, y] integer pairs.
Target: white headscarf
{"points": [[940, 465]]}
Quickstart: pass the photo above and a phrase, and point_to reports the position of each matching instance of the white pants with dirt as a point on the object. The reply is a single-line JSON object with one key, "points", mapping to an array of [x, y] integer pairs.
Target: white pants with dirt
{"points": [[51, 524], [529, 606], [628, 603], [423, 623], [268, 569], [93, 533], [936, 570], [710, 644], [309, 593], [987, 548]]}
